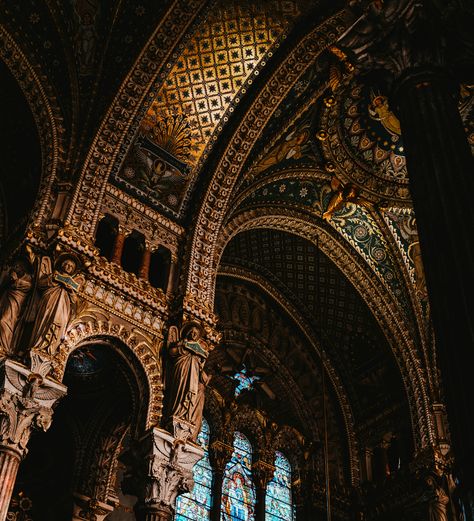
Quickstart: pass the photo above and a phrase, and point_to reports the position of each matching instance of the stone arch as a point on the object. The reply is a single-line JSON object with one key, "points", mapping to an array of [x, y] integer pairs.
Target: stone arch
{"points": [[47, 116], [133, 345], [380, 302], [121, 121], [203, 256]]}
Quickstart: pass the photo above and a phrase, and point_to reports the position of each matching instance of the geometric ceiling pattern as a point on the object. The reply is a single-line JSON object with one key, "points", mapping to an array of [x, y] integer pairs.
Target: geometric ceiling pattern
{"points": [[331, 305], [213, 71]]}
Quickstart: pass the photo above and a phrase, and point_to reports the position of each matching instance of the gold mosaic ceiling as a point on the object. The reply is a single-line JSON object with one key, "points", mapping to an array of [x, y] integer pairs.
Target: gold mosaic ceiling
{"points": [[215, 67]]}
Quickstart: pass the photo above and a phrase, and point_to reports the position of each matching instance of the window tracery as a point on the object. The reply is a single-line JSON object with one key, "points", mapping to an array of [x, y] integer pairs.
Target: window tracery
{"points": [[238, 490], [278, 501]]}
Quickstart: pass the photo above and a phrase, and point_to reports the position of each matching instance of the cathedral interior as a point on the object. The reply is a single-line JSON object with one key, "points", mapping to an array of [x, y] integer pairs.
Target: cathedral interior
{"points": [[236, 240]]}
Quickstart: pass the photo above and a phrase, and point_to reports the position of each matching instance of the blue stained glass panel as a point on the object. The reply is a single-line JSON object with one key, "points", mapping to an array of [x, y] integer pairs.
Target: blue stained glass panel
{"points": [[196, 505], [278, 501], [238, 491]]}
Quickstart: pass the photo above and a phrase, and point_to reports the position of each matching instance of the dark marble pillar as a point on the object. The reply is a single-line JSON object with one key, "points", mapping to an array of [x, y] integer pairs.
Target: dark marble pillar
{"points": [[145, 265], [171, 275], [263, 473], [219, 454], [441, 171]]}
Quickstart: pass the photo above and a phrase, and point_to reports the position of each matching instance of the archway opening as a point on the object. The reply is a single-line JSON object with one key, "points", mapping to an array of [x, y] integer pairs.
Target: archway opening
{"points": [[76, 459]]}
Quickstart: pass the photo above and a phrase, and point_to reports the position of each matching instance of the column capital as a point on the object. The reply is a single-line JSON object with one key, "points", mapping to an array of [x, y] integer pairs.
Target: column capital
{"points": [[396, 35], [263, 473], [219, 454], [161, 469], [26, 402]]}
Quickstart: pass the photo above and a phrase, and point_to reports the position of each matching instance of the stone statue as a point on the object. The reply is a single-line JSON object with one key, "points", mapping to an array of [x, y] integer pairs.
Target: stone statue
{"points": [[12, 298], [186, 379], [438, 505], [55, 305]]}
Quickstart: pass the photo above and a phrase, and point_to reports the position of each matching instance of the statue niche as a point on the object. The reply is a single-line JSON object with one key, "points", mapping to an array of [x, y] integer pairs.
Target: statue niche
{"points": [[14, 291], [186, 380]]}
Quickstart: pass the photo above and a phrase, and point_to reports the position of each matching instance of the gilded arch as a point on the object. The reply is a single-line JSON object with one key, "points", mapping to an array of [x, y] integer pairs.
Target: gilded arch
{"points": [[380, 302]]}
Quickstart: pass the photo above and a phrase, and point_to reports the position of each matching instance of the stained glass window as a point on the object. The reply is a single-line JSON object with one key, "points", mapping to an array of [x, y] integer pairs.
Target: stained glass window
{"points": [[244, 381], [238, 491], [278, 504], [196, 505]]}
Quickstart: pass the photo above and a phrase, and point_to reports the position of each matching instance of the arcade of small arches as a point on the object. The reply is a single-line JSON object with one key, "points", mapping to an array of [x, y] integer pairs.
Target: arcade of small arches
{"points": [[235, 249]]}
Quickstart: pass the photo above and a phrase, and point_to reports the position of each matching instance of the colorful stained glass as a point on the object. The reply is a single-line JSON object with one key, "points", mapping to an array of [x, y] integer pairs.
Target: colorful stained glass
{"points": [[244, 381], [278, 503], [238, 491], [196, 505]]}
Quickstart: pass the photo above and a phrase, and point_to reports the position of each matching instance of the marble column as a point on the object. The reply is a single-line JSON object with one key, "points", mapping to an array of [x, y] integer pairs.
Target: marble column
{"points": [[441, 171], [26, 402], [118, 246], [172, 275], [159, 468], [262, 473], [144, 270], [219, 455]]}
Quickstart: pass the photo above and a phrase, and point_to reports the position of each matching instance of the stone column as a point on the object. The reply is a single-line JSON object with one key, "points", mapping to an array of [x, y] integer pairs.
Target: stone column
{"points": [[441, 170], [410, 41], [219, 454], [144, 270], [26, 402], [159, 468], [172, 275], [118, 246], [262, 474]]}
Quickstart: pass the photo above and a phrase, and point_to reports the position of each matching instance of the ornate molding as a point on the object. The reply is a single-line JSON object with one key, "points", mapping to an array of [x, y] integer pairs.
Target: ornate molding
{"points": [[47, 115], [118, 127], [381, 303], [202, 263], [160, 468]]}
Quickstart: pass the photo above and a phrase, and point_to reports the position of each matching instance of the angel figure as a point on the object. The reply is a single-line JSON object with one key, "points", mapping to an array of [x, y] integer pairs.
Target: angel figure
{"points": [[290, 148], [14, 291], [342, 195], [438, 506], [56, 303], [186, 379], [379, 110]]}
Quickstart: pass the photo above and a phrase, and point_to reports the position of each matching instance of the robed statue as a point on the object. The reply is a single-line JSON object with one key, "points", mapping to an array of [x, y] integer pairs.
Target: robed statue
{"points": [[55, 306], [13, 293], [186, 380]]}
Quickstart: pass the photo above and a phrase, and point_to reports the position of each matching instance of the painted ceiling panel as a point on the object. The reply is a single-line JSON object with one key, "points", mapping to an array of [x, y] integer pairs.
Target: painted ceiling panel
{"points": [[214, 70]]}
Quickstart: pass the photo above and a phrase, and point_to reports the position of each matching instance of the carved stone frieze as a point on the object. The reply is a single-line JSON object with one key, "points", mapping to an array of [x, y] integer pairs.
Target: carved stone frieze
{"points": [[159, 469], [87, 509], [26, 402]]}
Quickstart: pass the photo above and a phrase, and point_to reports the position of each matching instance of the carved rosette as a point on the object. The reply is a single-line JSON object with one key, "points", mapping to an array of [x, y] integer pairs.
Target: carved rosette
{"points": [[26, 402], [161, 469]]}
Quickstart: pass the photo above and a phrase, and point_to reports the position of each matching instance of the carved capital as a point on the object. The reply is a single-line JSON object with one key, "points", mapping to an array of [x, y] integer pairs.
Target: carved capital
{"points": [[219, 454], [26, 402], [159, 469], [85, 508], [395, 35]]}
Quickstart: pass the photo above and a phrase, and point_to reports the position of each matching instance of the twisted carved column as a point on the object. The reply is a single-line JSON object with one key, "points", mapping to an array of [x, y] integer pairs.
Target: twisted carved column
{"points": [[159, 469], [26, 402]]}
